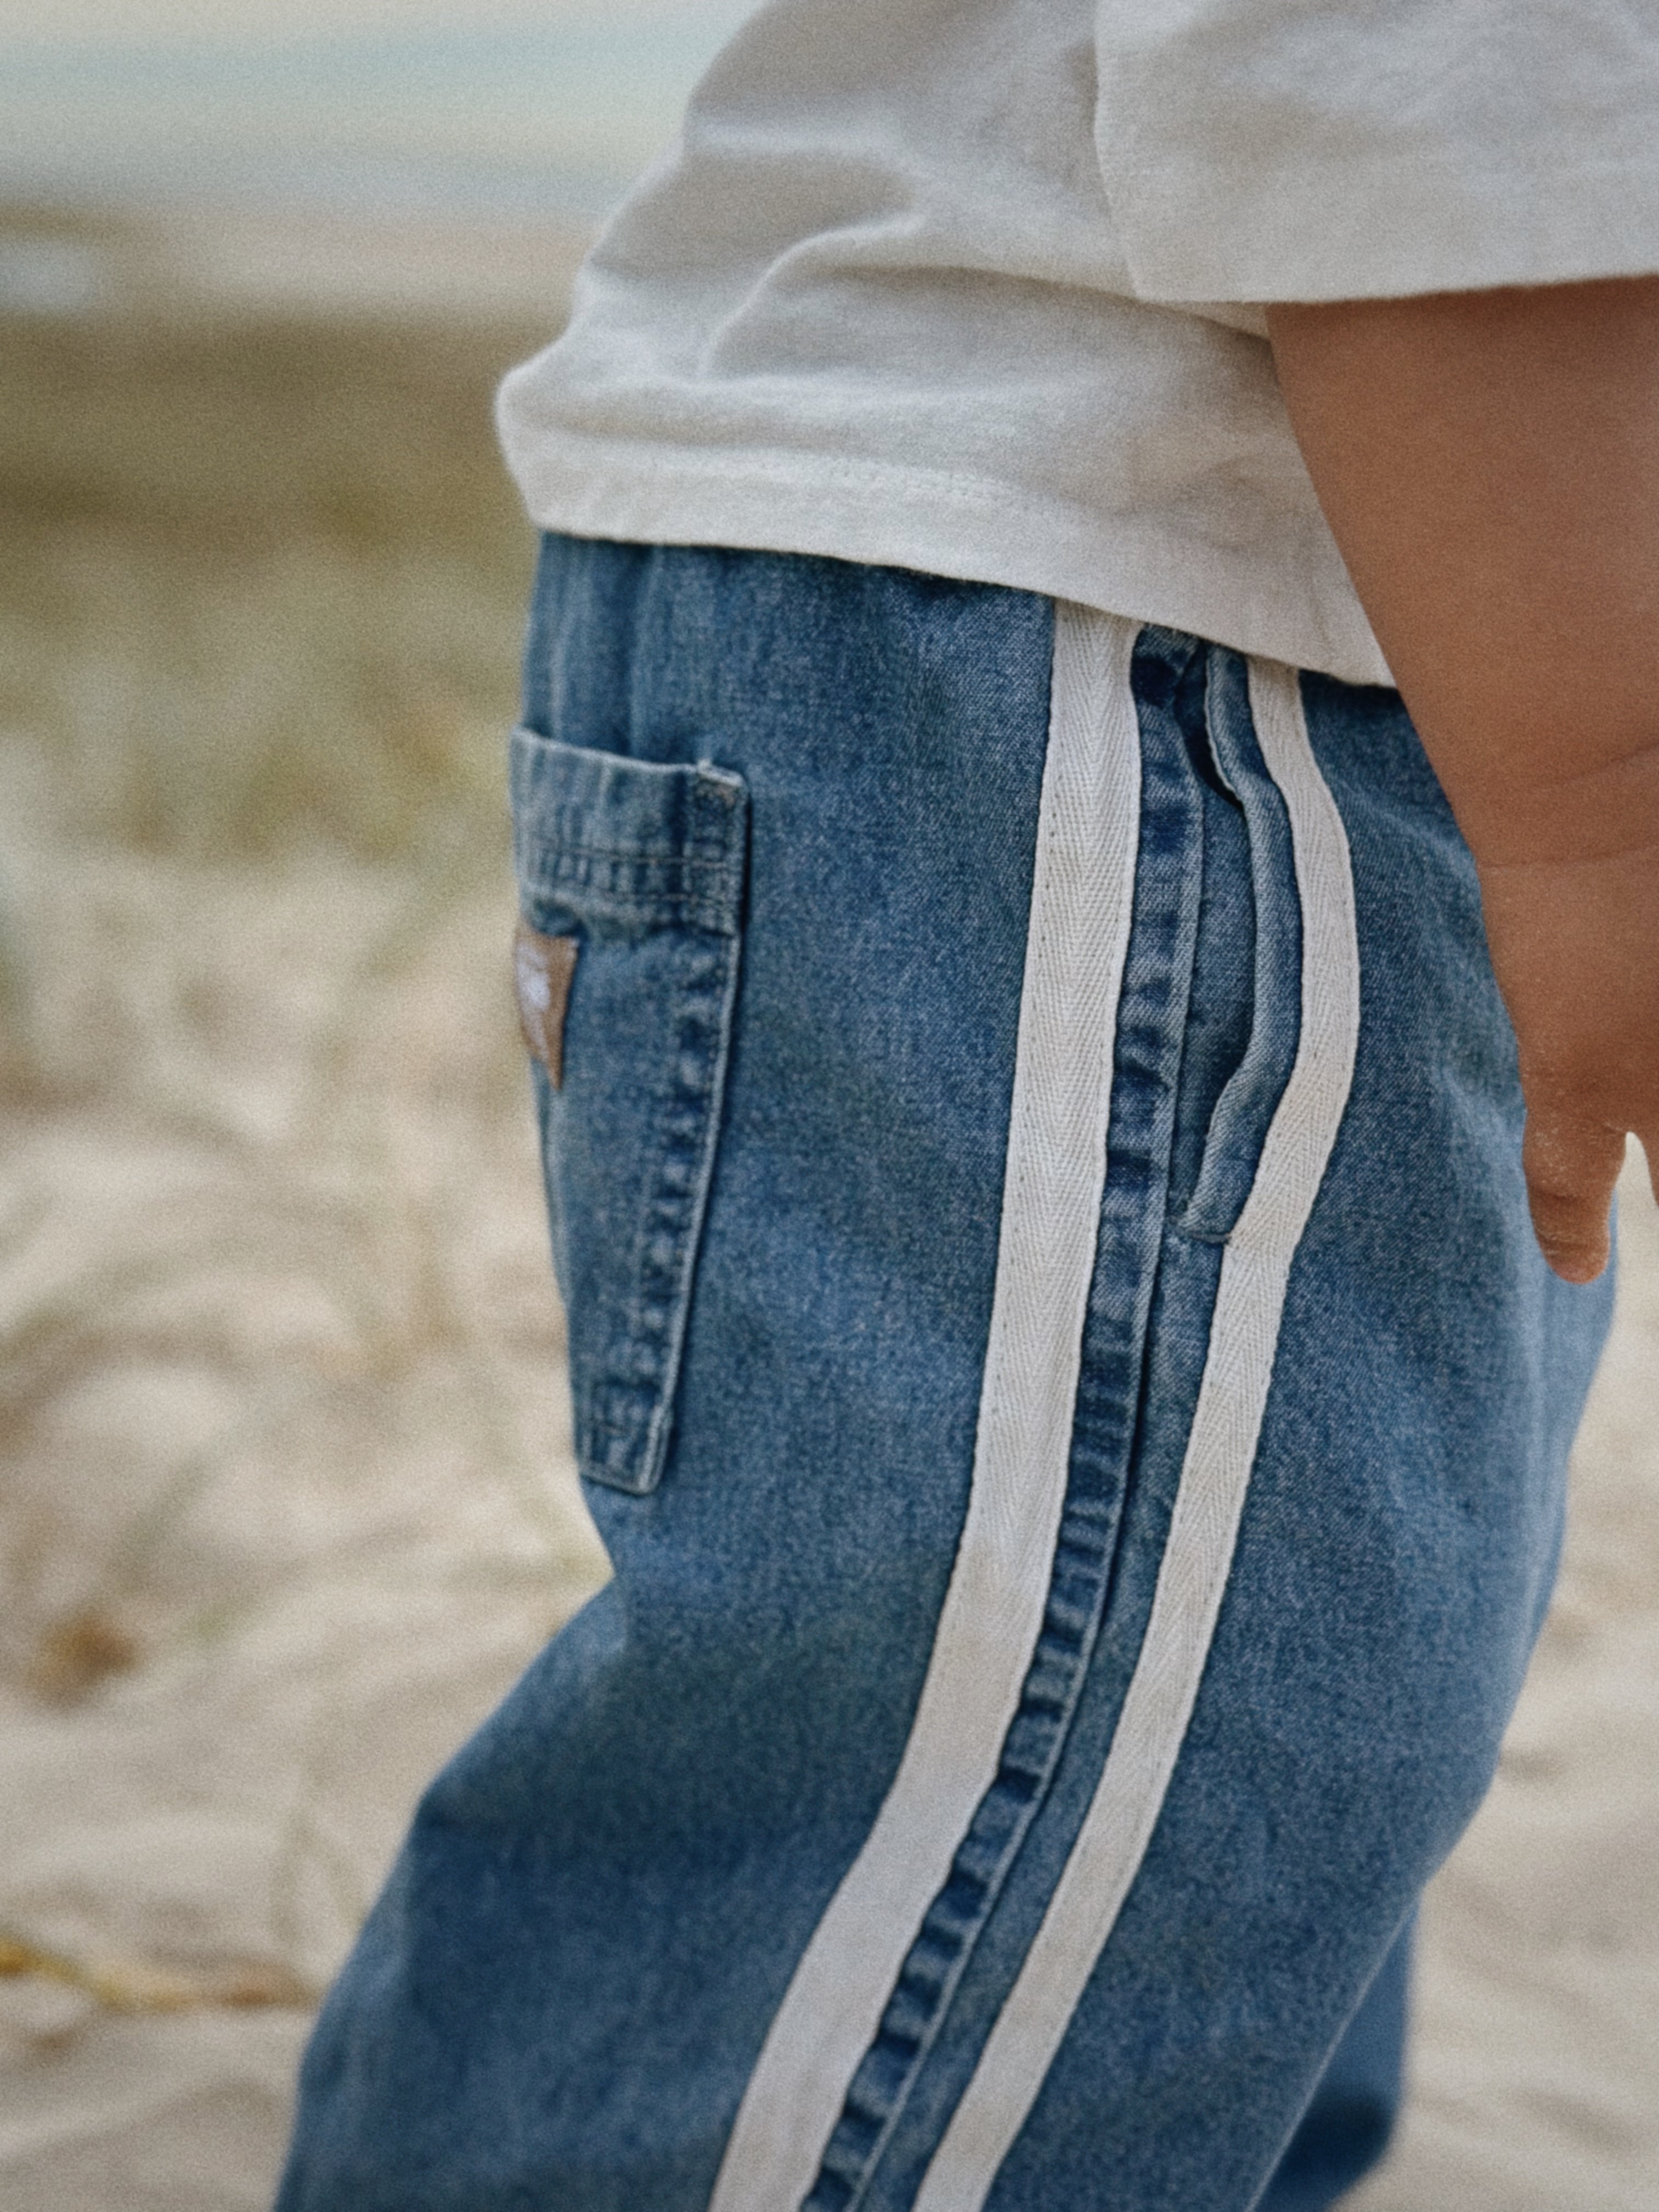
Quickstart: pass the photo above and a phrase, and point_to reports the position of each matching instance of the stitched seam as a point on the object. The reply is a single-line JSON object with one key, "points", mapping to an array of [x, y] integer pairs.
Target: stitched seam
{"points": [[1245, 1111], [629, 1394], [1152, 1012], [1196, 1566], [1045, 1260]]}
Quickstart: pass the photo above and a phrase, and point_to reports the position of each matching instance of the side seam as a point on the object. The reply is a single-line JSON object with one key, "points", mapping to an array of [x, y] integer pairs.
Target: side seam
{"points": [[1197, 1560], [1055, 1173]]}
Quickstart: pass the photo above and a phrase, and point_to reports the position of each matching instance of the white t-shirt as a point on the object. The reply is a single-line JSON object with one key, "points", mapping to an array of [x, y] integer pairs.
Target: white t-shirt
{"points": [[975, 286]]}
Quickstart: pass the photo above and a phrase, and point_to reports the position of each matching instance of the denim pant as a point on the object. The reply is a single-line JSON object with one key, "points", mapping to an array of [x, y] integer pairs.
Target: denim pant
{"points": [[1065, 1380]]}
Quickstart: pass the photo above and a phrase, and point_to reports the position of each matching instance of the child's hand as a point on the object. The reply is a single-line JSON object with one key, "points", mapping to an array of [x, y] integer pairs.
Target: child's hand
{"points": [[1490, 464], [1576, 945]]}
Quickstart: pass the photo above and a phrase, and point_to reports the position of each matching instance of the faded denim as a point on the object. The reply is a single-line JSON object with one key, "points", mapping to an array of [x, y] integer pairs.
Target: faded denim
{"points": [[789, 807]]}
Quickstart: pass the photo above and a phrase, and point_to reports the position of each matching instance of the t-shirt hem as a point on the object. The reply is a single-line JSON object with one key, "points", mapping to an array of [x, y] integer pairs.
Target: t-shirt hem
{"points": [[1259, 600]]}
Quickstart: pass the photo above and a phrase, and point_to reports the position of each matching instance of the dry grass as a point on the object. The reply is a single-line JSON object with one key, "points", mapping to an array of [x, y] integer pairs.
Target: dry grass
{"points": [[259, 579], [123, 1987]]}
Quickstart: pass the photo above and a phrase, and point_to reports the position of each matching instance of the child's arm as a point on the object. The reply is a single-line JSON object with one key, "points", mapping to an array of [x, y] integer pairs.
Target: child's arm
{"points": [[1489, 463]]}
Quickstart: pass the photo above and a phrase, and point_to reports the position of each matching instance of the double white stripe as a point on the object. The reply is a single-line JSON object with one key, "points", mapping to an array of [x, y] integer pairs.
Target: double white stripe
{"points": [[1055, 1171], [1215, 1476]]}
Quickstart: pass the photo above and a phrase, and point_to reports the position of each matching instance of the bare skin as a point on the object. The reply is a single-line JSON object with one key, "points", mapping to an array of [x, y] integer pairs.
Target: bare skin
{"points": [[1489, 463]]}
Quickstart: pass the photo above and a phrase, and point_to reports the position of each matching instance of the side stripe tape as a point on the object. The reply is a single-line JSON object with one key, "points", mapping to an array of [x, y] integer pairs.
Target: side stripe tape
{"points": [[1210, 1500], [1053, 1176]]}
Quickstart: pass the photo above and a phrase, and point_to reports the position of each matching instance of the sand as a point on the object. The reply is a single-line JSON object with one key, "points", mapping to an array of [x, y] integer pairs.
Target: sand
{"points": [[289, 1500]]}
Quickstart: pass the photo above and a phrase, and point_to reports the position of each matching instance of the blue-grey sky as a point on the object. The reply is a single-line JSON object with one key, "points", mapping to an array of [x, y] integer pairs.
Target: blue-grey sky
{"points": [[386, 103]]}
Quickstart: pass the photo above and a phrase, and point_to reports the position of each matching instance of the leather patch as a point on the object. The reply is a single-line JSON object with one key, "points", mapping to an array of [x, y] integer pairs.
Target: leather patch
{"points": [[542, 970]]}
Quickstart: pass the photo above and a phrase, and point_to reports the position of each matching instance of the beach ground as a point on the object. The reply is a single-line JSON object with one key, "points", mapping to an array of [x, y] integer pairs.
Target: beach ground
{"points": [[288, 1497]]}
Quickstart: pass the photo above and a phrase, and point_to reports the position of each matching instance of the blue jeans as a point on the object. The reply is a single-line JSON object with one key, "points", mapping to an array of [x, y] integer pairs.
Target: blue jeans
{"points": [[1065, 1378]]}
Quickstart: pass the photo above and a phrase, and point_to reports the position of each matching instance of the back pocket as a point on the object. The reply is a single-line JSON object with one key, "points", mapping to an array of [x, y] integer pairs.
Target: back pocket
{"points": [[630, 884]]}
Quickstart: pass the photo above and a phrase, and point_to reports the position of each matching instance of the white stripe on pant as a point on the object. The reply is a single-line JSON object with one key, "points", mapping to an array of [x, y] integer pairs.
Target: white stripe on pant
{"points": [[1081, 901], [1215, 1477], [1054, 1174]]}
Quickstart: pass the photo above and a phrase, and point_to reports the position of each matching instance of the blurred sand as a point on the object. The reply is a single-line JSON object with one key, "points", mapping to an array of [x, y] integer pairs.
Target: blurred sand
{"points": [[288, 1499]]}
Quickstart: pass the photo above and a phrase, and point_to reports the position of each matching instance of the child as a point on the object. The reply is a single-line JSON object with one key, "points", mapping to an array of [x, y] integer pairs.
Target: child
{"points": [[1033, 1135]]}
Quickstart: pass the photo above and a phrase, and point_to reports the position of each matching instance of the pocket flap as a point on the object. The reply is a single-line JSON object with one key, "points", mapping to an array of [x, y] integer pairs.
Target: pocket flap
{"points": [[626, 845]]}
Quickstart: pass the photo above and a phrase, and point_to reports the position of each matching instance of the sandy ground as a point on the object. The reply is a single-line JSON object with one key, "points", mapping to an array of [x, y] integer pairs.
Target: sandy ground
{"points": [[290, 1502]]}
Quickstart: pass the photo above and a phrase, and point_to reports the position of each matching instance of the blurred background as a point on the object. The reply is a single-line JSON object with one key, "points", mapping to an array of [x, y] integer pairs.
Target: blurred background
{"points": [[285, 1493]]}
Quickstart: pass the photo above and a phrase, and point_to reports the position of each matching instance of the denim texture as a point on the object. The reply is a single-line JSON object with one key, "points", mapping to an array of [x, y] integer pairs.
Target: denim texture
{"points": [[642, 863], [790, 808]]}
